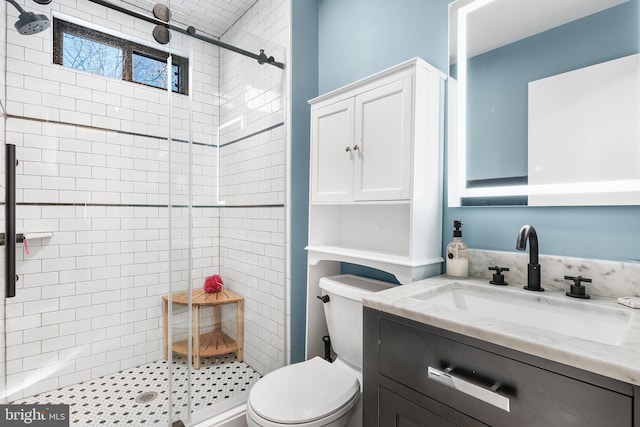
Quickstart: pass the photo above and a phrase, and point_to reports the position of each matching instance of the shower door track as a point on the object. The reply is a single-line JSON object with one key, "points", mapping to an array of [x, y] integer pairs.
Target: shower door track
{"points": [[210, 40]]}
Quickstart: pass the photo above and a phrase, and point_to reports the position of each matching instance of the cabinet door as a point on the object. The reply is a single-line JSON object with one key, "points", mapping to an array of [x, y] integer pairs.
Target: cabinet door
{"points": [[332, 152], [396, 411], [383, 142]]}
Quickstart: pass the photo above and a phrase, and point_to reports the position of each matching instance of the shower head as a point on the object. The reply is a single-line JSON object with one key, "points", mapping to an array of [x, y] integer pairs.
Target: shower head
{"points": [[30, 22]]}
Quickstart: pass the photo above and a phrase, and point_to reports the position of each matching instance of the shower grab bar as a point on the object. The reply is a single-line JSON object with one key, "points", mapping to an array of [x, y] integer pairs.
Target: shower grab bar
{"points": [[10, 221]]}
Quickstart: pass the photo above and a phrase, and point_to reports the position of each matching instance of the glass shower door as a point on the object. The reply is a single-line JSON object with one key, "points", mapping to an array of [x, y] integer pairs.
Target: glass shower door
{"points": [[177, 309], [231, 222], [85, 327]]}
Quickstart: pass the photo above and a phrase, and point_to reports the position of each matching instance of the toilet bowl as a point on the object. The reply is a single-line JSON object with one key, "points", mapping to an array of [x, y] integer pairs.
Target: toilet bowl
{"points": [[317, 393], [314, 393]]}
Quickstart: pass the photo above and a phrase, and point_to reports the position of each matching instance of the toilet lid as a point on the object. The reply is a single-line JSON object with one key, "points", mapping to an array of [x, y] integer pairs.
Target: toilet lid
{"points": [[303, 392]]}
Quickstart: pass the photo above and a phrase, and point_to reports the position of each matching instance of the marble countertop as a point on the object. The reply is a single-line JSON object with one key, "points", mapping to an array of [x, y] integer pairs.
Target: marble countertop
{"points": [[621, 361]]}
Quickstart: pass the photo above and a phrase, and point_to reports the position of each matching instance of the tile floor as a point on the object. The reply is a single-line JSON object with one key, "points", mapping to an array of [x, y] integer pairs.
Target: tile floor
{"points": [[111, 400]]}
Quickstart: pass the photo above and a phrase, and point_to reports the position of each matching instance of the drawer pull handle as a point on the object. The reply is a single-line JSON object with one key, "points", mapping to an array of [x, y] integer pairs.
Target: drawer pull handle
{"points": [[486, 395]]}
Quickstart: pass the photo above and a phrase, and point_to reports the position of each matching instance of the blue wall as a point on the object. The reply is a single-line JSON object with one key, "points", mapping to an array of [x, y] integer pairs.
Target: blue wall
{"points": [[356, 38], [591, 232], [304, 86], [361, 37]]}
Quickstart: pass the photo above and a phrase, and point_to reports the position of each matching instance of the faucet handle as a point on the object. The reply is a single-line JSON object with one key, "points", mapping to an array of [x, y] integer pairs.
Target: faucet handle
{"points": [[498, 277], [578, 279], [577, 289]]}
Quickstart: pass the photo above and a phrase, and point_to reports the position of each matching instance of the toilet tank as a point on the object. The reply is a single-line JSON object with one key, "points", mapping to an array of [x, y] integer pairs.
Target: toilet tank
{"points": [[343, 312]]}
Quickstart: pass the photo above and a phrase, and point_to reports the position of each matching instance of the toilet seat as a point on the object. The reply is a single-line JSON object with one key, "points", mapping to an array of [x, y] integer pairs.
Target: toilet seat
{"points": [[304, 392]]}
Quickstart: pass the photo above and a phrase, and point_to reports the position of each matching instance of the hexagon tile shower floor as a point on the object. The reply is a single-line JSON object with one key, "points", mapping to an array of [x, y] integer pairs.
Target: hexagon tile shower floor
{"points": [[139, 396]]}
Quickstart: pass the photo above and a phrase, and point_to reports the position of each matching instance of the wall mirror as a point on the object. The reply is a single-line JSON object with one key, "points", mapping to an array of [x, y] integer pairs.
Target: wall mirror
{"points": [[544, 102]]}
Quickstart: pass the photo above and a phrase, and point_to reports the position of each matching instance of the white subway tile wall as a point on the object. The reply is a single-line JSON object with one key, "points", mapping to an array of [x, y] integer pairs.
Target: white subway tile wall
{"points": [[89, 298], [252, 261], [252, 162], [252, 169]]}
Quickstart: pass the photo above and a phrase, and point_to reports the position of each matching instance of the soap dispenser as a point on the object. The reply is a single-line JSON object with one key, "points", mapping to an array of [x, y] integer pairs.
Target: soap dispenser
{"points": [[457, 263]]}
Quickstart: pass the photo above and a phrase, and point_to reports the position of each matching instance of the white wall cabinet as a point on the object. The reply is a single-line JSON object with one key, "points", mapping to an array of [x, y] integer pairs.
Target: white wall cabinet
{"points": [[376, 180], [361, 145]]}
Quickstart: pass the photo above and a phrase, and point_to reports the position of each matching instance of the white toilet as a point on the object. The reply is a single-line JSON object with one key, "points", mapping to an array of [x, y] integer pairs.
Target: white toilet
{"points": [[316, 393]]}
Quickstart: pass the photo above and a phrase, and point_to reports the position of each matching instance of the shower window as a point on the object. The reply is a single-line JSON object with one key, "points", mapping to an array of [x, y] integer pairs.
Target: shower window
{"points": [[92, 56], [153, 72], [85, 49]]}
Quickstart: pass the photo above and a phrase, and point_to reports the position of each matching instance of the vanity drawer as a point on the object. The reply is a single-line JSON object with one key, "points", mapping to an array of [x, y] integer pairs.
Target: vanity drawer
{"points": [[403, 407], [523, 394]]}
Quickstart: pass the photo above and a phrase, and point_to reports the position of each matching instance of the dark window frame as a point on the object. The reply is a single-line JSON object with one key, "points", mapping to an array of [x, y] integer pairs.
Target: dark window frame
{"points": [[129, 48]]}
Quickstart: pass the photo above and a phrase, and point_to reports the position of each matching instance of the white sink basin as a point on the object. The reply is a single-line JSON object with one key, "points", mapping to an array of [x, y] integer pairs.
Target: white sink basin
{"points": [[561, 315]]}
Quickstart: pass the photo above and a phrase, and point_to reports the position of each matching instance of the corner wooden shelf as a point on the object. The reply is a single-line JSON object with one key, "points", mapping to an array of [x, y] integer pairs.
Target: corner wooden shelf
{"points": [[212, 343]]}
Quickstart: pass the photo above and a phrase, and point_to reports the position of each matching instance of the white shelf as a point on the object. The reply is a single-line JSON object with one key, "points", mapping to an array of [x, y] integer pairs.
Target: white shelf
{"points": [[362, 203], [37, 235], [405, 269]]}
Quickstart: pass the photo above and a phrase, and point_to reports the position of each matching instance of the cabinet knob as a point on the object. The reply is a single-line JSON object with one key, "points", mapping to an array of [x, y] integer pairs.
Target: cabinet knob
{"points": [[356, 148], [347, 149]]}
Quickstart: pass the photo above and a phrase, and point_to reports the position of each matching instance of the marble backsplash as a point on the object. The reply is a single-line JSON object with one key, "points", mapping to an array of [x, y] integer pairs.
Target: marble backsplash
{"points": [[611, 279]]}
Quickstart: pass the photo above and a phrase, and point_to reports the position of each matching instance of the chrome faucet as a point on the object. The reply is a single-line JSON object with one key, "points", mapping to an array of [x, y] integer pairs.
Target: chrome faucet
{"points": [[533, 272]]}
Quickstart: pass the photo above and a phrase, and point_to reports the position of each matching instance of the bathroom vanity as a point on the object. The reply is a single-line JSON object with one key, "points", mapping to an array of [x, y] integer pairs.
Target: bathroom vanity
{"points": [[426, 363]]}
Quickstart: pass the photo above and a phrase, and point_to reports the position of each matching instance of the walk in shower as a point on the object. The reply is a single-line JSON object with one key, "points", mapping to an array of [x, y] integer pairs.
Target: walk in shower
{"points": [[151, 145]]}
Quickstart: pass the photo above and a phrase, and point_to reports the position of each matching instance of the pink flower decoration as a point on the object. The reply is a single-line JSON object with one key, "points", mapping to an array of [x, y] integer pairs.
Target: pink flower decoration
{"points": [[213, 284]]}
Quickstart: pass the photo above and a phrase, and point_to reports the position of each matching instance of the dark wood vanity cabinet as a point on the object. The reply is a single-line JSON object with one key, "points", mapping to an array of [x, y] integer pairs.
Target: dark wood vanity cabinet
{"points": [[418, 375]]}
